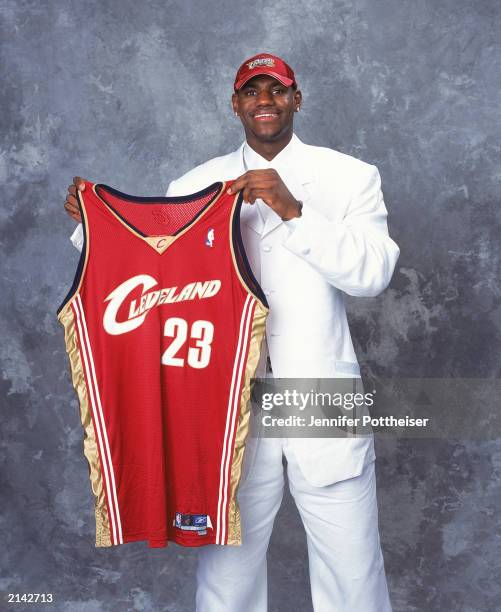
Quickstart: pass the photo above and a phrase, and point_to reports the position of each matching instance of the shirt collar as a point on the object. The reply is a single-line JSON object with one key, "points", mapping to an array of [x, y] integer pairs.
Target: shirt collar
{"points": [[283, 162], [253, 161]]}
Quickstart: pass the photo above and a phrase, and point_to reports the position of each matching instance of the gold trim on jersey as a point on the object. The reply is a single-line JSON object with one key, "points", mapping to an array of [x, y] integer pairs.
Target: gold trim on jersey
{"points": [[159, 243], [155, 241], [256, 339], [67, 319], [257, 335]]}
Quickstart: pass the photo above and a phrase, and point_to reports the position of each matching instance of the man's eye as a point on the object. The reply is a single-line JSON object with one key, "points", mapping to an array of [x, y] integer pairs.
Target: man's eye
{"points": [[279, 91], [250, 92]]}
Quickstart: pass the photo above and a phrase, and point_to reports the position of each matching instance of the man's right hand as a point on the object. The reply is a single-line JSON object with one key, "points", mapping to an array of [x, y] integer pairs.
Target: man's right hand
{"points": [[71, 204]]}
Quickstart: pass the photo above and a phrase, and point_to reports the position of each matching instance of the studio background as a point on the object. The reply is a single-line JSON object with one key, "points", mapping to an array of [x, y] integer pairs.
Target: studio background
{"points": [[135, 94]]}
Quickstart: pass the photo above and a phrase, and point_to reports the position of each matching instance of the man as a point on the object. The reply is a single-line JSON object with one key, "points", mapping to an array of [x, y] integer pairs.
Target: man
{"points": [[315, 228]]}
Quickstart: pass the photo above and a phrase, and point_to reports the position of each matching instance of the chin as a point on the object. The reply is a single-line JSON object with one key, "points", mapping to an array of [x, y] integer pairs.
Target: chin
{"points": [[269, 135]]}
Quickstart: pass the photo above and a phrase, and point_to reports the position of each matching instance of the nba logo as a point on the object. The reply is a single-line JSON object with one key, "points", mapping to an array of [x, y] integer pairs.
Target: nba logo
{"points": [[210, 237]]}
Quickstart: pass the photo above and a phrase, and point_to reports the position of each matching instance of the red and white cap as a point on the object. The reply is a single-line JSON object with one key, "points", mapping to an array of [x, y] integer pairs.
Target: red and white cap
{"points": [[264, 63]]}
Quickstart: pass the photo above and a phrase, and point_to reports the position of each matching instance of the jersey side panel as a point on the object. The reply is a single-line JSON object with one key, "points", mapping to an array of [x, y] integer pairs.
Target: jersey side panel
{"points": [[73, 341], [229, 528], [102, 423], [257, 331]]}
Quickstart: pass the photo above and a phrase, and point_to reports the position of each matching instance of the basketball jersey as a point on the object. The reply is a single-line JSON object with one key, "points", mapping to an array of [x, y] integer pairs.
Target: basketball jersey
{"points": [[163, 327]]}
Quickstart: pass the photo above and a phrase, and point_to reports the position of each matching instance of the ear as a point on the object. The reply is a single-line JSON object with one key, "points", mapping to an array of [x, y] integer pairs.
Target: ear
{"points": [[234, 102]]}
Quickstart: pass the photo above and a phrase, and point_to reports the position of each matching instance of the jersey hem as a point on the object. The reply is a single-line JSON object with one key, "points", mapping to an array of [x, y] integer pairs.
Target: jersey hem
{"points": [[162, 542]]}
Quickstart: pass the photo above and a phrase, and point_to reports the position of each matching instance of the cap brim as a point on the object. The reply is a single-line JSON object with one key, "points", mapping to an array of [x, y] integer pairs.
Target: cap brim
{"points": [[284, 80]]}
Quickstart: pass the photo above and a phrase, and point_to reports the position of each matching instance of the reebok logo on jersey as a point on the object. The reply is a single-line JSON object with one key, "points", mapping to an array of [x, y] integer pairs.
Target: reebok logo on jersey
{"points": [[138, 309], [193, 522], [210, 237]]}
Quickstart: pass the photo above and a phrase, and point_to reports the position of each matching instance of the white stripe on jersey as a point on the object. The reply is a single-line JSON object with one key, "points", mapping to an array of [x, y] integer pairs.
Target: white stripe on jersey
{"points": [[230, 417], [95, 400]]}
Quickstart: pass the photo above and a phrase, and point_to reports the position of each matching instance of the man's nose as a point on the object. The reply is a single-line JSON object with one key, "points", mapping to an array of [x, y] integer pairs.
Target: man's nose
{"points": [[264, 98]]}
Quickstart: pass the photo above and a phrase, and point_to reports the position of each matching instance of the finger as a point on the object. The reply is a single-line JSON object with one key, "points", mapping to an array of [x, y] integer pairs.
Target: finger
{"points": [[72, 200], [79, 182], [251, 198], [71, 203], [71, 209], [74, 215], [263, 175], [239, 183], [252, 195], [260, 181], [263, 194], [247, 196], [253, 178]]}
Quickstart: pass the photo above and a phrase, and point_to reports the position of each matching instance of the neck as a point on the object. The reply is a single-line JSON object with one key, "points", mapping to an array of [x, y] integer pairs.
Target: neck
{"points": [[268, 149]]}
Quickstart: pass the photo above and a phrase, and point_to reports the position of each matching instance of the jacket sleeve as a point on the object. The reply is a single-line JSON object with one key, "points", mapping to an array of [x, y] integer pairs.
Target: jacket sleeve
{"points": [[172, 190], [356, 254], [77, 237]]}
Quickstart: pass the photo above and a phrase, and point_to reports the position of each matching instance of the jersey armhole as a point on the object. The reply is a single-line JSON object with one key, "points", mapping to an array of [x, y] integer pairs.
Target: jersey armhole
{"points": [[240, 259], [84, 255]]}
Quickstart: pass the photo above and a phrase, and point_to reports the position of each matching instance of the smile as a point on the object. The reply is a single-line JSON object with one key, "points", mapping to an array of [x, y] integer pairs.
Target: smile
{"points": [[266, 116]]}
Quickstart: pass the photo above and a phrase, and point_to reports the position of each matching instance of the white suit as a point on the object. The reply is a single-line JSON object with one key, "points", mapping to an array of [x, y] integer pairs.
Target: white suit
{"points": [[339, 244]]}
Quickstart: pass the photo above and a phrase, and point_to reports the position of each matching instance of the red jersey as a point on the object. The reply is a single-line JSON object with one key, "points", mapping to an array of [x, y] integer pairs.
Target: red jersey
{"points": [[163, 327]]}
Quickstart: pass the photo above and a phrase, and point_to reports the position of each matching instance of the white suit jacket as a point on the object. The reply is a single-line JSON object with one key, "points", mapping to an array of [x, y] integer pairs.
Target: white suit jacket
{"points": [[339, 245]]}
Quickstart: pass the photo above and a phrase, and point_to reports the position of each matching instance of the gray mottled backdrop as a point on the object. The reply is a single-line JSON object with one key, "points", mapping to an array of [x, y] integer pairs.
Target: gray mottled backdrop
{"points": [[135, 93]]}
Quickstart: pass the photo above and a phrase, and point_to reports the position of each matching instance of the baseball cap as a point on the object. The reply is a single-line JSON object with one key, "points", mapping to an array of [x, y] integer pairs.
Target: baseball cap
{"points": [[264, 63]]}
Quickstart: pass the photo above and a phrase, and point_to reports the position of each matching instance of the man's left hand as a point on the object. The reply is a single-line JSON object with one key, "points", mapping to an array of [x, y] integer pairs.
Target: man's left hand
{"points": [[267, 185]]}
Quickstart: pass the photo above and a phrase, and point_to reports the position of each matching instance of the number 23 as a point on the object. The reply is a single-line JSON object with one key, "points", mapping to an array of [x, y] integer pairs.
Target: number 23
{"points": [[199, 355]]}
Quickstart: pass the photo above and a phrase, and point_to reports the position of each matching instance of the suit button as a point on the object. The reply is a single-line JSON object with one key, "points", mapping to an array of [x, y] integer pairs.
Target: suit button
{"points": [[266, 248], [306, 251]]}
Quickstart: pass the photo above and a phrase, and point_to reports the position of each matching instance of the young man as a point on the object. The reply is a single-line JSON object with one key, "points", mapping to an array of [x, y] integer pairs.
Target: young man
{"points": [[315, 228]]}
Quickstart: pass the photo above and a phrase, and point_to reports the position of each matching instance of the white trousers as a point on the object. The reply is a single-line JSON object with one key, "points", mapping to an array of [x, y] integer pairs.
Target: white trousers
{"points": [[341, 522]]}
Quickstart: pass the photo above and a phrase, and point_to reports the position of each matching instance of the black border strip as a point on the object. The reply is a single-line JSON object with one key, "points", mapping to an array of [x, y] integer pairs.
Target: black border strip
{"points": [[247, 273], [81, 261], [161, 200]]}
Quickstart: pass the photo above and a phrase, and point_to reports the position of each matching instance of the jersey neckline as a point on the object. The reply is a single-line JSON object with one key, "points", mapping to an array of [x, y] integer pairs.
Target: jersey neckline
{"points": [[151, 239]]}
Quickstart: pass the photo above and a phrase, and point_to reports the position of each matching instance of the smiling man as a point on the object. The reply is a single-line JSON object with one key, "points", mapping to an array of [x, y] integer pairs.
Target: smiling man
{"points": [[316, 228]]}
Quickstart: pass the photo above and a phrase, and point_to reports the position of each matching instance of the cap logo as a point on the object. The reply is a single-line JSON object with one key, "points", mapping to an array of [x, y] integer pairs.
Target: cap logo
{"points": [[261, 61]]}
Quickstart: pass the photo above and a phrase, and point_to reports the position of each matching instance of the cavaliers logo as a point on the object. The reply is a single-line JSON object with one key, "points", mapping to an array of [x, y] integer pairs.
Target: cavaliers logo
{"points": [[261, 61], [139, 308]]}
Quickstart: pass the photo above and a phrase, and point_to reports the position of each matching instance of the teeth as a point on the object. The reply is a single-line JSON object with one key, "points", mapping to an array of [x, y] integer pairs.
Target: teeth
{"points": [[267, 115]]}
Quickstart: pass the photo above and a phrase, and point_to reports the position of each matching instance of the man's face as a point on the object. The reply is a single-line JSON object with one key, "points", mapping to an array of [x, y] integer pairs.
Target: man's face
{"points": [[266, 107]]}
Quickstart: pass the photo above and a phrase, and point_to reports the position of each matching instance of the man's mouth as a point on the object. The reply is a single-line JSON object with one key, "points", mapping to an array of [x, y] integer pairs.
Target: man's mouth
{"points": [[265, 116]]}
